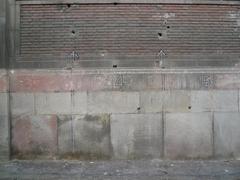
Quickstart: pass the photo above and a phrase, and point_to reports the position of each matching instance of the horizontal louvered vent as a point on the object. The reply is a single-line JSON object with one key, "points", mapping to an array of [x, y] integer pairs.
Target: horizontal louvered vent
{"points": [[131, 35]]}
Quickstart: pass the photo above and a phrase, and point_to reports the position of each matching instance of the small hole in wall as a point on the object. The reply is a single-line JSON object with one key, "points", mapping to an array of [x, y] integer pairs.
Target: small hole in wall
{"points": [[115, 66], [168, 27], [189, 107], [73, 32], [159, 34], [68, 5], [138, 108], [115, 3]]}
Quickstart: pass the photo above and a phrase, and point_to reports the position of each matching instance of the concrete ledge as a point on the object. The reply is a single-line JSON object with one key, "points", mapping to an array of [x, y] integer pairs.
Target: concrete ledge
{"points": [[123, 80]]}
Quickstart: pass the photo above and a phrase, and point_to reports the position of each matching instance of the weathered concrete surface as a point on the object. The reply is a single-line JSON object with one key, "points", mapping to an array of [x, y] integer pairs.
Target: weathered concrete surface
{"points": [[34, 136], [65, 135], [188, 136], [84, 137], [227, 135], [91, 136], [4, 138], [155, 113], [121, 170], [136, 136]]}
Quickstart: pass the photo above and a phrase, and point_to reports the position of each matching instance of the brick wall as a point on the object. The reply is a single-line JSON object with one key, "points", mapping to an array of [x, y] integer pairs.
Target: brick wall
{"points": [[125, 114]]}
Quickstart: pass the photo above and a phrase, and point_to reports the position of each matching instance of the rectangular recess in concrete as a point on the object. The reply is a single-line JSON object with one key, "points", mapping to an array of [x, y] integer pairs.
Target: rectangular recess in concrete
{"points": [[136, 136]]}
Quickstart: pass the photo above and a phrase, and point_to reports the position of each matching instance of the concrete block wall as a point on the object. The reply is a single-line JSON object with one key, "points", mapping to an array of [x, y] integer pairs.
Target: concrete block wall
{"points": [[125, 114], [4, 117]]}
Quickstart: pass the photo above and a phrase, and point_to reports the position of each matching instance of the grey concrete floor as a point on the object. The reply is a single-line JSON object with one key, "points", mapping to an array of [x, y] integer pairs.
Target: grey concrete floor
{"points": [[121, 170]]}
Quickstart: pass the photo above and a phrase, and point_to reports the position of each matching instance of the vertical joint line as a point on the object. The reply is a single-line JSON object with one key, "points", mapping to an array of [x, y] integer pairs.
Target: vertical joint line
{"points": [[238, 99], [9, 118], [213, 136], [163, 135], [73, 145]]}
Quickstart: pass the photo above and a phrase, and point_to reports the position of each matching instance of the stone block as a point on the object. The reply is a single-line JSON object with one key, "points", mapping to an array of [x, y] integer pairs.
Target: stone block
{"points": [[136, 136], [65, 135], [201, 101], [79, 103], [4, 104], [91, 134], [176, 101], [214, 100], [113, 102], [22, 103], [4, 138], [53, 103], [227, 135], [226, 101], [151, 101], [188, 136], [34, 136]]}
